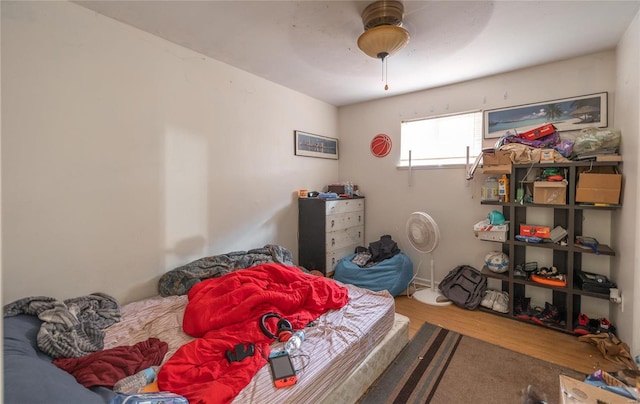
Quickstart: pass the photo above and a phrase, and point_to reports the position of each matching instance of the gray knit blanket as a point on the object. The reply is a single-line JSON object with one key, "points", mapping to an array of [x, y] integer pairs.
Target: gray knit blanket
{"points": [[70, 328], [178, 281]]}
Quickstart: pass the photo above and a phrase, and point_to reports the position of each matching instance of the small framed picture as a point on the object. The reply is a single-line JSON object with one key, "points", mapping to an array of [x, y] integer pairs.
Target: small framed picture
{"points": [[565, 114], [310, 145]]}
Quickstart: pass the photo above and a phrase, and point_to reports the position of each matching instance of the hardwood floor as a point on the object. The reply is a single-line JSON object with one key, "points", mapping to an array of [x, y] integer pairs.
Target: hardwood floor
{"points": [[533, 340]]}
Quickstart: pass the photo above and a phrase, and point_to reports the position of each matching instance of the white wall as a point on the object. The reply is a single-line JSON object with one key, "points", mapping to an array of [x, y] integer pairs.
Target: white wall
{"points": [[124, 155], [627, 224]]}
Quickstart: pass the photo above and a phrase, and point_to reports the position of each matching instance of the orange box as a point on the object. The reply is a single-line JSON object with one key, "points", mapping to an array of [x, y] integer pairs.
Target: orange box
{"points": [[535, 231]]}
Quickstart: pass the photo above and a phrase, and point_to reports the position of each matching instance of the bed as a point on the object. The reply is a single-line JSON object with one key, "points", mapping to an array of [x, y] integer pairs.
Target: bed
{"points": [[345, 350]]}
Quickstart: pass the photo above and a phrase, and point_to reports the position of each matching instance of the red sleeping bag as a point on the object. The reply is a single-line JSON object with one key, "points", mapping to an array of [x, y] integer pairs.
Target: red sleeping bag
{"points": [[226, 311]]}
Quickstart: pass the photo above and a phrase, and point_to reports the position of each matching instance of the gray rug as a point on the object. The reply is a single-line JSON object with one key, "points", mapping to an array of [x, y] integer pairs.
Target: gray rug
{"points": [[443, 367]]}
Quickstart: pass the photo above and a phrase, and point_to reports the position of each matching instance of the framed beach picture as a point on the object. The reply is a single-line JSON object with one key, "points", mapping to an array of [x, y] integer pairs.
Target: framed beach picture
{"points": [[310, 145], [565, 114]]}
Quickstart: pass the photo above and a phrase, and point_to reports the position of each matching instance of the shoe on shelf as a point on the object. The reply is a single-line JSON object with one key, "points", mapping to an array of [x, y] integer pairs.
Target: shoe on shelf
{"points": [[489, 298], [582, 326], [549, 316], [501, 303], [593, 326], [606, 327], [522, 308], [518, 272]]}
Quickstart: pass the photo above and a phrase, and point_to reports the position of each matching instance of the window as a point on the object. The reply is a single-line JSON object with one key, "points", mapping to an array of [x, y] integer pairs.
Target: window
{"points": [[441, 140]]}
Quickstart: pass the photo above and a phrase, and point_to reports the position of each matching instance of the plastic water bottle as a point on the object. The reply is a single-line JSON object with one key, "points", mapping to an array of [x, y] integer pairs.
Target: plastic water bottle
{"points": [[133, 384], [294, 342]]}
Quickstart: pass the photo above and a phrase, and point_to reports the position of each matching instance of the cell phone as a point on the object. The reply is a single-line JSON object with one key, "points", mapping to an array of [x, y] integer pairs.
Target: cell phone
{"points": [[282, 370]]}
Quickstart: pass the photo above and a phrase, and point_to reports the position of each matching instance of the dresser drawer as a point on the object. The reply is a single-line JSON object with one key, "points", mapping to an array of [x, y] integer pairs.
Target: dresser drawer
{"points": [[342, 206], [341, 221], [339, 239], [334, 256]]}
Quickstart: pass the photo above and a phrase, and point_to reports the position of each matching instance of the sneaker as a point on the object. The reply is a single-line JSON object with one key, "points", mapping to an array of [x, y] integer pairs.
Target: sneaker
{"points": [[549, 316], [518, 272], [489, 298], [582, 326], [606, 327], [522, 309], [501, 303]]}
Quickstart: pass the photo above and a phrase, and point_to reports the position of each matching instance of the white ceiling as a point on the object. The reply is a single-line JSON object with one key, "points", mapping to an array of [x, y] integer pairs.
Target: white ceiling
{"points": [[310, 46]]}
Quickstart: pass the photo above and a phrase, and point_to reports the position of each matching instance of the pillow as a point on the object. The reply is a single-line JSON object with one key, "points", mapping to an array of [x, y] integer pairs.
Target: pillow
{"points": [[29, 375]]}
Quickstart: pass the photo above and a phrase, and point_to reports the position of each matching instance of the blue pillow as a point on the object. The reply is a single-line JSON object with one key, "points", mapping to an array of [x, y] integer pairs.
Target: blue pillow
{"points": [[31, 377]]}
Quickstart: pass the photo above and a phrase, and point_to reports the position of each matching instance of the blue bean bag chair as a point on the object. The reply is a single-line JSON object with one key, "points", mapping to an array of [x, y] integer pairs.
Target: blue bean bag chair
{"points": [[393, 274]]}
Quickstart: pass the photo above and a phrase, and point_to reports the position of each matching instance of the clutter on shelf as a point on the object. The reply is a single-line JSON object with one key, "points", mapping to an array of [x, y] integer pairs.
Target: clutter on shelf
{"points": [[592, 282], [497, 262], [548, 316], [544, 144], [495, 300], [493, 228]]}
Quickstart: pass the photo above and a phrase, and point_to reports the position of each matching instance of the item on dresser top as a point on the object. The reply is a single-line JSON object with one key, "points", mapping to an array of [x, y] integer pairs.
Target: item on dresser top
{"points": [[327, 195]]}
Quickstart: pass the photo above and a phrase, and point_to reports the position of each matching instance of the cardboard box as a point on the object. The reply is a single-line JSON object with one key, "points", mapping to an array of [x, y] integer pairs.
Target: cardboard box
{"points": [[500, 157], [547, 156], [496, 163], [574, 391], [550, 192], [531, 230], [599, 185], [484, 230]]}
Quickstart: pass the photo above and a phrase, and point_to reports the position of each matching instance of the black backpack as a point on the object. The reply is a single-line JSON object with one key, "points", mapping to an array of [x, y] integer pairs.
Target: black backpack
{"points": [[464, 286]]}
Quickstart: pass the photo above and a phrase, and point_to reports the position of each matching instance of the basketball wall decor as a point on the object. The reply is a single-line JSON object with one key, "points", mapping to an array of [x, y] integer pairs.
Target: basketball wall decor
{"points": [[380, 145]]}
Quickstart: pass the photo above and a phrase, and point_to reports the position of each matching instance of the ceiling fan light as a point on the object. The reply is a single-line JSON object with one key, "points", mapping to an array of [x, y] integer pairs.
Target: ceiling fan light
{"points": [[382, 41]]}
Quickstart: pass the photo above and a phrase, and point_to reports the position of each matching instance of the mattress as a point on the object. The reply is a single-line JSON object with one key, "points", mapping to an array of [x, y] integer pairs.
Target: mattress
{"points": [[363, 376], [336, 344], [157, 317]]}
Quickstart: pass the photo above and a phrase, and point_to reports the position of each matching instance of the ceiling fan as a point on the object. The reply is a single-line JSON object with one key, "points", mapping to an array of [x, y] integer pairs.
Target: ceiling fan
{"points": [[383, 32]]}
